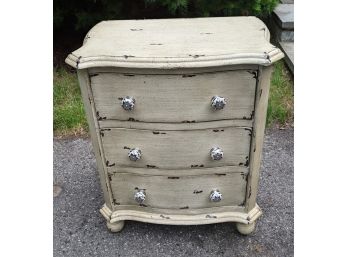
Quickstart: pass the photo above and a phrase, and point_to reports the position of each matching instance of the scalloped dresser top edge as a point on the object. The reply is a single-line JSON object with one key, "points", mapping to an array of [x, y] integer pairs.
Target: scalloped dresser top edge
{"points": [[176, 43]]}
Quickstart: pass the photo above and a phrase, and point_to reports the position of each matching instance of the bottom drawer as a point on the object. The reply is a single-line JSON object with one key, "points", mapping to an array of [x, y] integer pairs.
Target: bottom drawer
{"points": [[184, 192]]}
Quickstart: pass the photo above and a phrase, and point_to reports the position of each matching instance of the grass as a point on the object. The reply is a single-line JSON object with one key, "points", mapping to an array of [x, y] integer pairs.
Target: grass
{"points": [[68, 112], [280, 110], [69, 115]]}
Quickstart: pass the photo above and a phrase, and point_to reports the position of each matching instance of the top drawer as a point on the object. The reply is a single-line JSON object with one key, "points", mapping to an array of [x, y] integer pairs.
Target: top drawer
{"points": [[174, 98]]}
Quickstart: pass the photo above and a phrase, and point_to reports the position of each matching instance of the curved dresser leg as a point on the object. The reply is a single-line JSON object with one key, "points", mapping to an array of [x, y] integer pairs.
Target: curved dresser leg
{"points": [[116, 226], [246, 229]]}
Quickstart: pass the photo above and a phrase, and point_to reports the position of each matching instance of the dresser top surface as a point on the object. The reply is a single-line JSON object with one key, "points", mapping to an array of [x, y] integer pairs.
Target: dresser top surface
{"points": [[176, 43]]}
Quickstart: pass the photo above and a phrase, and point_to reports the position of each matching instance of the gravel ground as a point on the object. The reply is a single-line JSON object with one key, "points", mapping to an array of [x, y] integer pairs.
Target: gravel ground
{"points": [[80, 230]]}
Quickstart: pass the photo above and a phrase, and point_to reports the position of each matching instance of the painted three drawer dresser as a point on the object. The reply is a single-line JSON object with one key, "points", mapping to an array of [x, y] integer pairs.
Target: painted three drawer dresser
{"points": [[176, 110]]}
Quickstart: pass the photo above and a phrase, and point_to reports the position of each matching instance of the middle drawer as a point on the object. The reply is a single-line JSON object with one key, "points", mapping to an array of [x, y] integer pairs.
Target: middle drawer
{"points": [[176, 149]]}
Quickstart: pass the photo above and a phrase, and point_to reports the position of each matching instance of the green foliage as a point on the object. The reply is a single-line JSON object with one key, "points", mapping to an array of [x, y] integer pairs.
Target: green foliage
{"points": [[174, 7], [281, 97], [68, 112], [82, 15]]}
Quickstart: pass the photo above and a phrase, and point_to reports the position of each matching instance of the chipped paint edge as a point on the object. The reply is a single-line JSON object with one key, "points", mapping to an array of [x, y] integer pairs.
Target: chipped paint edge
{"points": [[181, 219], [265, 59]]}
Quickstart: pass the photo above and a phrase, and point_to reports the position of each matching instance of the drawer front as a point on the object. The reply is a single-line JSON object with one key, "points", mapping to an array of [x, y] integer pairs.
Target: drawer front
{"points": [[186, 192], [173, 149], [174, 98]]}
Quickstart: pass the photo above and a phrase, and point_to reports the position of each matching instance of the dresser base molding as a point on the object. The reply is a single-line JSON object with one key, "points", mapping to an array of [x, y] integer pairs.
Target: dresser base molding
{"points": [[246, 229], [116, 226], [245, 221]]}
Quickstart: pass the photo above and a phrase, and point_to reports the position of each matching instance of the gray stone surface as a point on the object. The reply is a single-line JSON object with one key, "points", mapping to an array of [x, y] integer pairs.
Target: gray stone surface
{"points": [[278, 33], [288, 50], [281, 34], [287, 1], [79, 229], [284, 16], [286, 35]]}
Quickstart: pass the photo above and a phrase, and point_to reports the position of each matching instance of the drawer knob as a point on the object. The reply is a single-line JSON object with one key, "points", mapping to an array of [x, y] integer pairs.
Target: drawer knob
{"points": [[128, 103], [218, 102], [140, 196], [134, 154], [215, 196], [216, 153]]}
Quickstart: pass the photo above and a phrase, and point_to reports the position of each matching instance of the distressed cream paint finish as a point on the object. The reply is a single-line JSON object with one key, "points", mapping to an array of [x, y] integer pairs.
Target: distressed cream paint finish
{"points": [[173, 68], [173, 192], [179, 43], [176, 149], [153, 104]]}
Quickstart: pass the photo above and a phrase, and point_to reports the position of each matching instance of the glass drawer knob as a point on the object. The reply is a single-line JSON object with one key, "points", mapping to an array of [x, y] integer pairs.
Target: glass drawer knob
{"points": [[128, 103], [134, 154], [215, 196], [140, 196], [218, 102], [216, 153]]}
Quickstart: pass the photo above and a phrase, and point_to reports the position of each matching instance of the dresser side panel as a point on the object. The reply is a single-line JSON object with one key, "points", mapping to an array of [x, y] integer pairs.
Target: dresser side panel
{"points": [[261, 101], [88, 101]]}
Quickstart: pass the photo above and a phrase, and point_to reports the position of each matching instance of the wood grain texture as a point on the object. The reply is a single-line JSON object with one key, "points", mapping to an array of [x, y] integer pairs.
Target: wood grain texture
{"points": [[261, 100], [199, 42], [179, 192], [175, 98], [177, 149]]}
